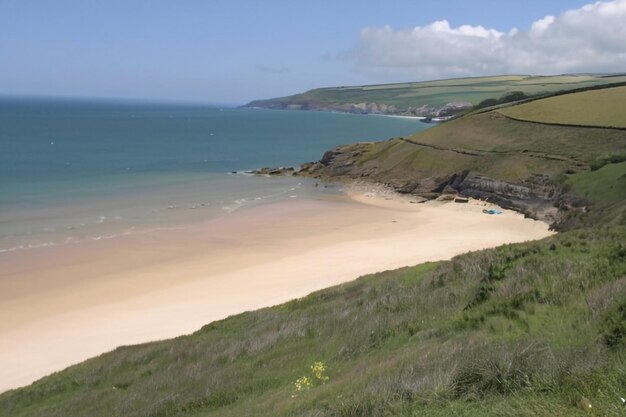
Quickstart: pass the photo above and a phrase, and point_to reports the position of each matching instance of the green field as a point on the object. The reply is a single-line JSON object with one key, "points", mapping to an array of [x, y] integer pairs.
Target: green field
{"points": [[440, 92], [491, 144], [532, 329], [605, 107]]}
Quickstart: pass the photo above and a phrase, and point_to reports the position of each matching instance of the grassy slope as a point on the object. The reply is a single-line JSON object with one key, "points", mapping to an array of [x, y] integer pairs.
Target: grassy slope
{"points": [[606, 189], [526, 330], [513, 151], [493, 145], [590, 108], [439, 93]]}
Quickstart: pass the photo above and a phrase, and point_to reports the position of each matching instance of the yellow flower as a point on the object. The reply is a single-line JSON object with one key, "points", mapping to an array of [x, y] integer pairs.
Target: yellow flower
{"points": [[303, 383], [318, 369]]}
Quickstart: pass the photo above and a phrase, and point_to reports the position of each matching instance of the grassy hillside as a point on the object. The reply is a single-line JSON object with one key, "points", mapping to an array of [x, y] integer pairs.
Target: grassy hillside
{"points": [[530, 329], [496, 146], [522, 165], [603, 108], [606, 189], [438, 93]]}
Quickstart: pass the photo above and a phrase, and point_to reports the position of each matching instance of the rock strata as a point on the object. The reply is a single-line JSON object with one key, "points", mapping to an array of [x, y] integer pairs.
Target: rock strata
{"points": [[537, 197], [408, 171]]}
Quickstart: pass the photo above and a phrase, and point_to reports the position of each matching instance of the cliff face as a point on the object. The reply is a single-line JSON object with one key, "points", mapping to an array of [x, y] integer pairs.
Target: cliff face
{"points": [[546, 170], [426, 111], [536, 197]]}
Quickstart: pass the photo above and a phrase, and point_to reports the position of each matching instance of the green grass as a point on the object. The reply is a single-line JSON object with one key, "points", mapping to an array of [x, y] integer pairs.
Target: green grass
{"points": [[440, 92], [606, 185], [492, 145], [492, 132], [553, 158], [529, 329], [602, 108], [605, 191]]}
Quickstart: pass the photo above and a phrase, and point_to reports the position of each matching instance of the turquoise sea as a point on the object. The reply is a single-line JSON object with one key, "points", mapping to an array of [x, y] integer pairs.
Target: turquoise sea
{"points": [[72, 170]]}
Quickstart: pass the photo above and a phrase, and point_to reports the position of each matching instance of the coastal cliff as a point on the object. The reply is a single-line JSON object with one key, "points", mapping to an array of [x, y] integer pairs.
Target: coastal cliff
{"points": [[536, 196], [439, 99], [539, 169], [423, 111]]}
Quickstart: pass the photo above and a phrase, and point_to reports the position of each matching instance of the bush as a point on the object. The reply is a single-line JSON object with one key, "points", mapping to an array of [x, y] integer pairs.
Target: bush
{"points": [[614, 326], [507, 98], [607, 159], [504, 370], [487, 103]]}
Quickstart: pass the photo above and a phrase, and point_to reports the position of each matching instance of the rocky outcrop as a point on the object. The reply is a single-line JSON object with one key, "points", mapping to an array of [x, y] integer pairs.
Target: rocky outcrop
{"points": [[536, 197], [285, 171], [365, 108], [453, 108]]}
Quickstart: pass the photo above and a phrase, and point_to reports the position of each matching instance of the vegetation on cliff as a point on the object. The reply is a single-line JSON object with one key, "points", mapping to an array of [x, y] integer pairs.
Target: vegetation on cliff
{"points": [[525, 165]]}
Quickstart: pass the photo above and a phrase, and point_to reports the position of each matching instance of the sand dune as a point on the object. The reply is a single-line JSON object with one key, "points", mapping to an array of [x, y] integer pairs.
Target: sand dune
{"points": [[62, 305]]}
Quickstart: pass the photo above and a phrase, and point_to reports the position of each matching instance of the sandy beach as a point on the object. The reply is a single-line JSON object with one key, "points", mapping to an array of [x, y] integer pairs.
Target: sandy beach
{"points": [[62, 305]]}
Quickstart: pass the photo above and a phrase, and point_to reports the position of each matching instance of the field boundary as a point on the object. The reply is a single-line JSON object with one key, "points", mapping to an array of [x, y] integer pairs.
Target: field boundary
{"points": [[561, 124], [530, 99], [482, 153]]}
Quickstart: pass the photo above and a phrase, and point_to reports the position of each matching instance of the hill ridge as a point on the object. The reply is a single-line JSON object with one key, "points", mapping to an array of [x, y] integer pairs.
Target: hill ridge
{"points": [[449, 99]]}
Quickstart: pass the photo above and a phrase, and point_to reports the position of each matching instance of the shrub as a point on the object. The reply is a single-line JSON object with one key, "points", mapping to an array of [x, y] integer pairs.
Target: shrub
{"points": [[614, 326], [503, 370]]}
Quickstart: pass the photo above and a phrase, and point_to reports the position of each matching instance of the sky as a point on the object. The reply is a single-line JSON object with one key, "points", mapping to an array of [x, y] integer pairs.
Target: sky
{"points": [[234, 51]]}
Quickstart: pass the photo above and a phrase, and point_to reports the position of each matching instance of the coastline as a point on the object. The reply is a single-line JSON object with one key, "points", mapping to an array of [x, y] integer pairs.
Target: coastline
{"points": [[166, 283]]}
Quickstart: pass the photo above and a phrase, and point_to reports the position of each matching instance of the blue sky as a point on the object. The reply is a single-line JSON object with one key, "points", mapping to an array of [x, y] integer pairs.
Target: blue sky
{"points": [[235, 51]]}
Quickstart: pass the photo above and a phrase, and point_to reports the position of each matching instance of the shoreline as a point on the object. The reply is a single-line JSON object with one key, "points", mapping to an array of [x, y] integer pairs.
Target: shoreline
{"points": [[136, 289], [325, 110]]}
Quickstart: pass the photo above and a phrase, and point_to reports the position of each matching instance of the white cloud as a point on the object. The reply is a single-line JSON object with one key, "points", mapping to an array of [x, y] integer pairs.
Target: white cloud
{"points": [[589, 39], [539, 27]]}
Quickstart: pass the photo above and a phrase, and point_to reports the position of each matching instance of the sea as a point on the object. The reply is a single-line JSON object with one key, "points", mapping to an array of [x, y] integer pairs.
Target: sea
{"points": [[77, 170]]}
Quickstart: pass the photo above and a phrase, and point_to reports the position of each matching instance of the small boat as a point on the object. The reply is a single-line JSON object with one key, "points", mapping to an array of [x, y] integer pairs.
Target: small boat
{"points": [[492, 211]]}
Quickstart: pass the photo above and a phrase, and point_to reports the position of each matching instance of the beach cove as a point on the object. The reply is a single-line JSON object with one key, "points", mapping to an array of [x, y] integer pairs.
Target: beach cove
{"points": [[61, 305]]}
